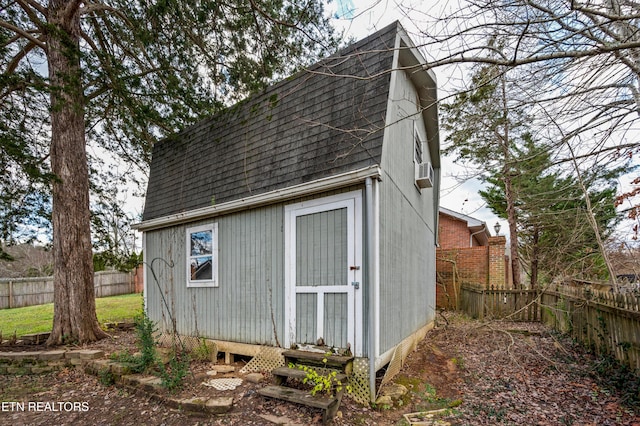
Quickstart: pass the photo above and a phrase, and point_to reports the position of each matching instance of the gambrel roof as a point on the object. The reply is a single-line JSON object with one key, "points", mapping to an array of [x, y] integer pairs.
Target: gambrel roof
{"points": [[324, 121]]}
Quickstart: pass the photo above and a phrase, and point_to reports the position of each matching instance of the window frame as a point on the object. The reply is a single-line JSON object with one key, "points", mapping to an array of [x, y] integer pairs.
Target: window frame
{"points": [[206, 282], [417, 148]]}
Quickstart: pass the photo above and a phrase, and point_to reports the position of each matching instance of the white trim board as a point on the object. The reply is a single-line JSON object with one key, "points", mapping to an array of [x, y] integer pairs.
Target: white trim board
{"points": [[352, 201], [279, 195]]}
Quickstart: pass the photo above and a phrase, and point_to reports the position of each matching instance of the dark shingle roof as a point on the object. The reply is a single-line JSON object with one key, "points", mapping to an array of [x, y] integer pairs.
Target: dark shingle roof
{"points": [[321, 122]]}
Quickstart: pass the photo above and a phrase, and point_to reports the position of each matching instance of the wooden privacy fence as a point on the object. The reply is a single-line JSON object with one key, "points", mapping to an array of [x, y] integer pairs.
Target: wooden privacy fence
{"points": [[515, 305], [19, 292], [606, 322]]}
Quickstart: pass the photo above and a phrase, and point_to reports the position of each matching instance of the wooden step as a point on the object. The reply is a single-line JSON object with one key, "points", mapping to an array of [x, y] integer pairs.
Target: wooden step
{"points": [[326, 403], [282, 373], [342, 363], [298, 396]]}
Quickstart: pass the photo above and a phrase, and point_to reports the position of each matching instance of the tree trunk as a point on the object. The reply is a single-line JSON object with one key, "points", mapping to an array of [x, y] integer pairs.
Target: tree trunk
{"points": [[513, 232], [534, 258], [74, 316], [512, 218]]}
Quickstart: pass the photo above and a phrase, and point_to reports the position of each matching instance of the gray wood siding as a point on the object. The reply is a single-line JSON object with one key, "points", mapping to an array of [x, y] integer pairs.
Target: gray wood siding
{"points": [[335, 319], [306, 315], [407, 224], [321, 248], [250, 296], [249, 302]]}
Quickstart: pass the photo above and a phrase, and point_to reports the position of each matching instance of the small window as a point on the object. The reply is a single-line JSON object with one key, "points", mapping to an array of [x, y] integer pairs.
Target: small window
{"points": [[202, 256], [423, 171], [417, 148]]}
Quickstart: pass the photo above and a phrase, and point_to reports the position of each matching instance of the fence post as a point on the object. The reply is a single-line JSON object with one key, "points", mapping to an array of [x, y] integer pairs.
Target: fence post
{"points": [[10, 294]]}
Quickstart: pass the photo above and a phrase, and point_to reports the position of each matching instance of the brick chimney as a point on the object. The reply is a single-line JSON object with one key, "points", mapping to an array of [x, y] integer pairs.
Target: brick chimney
{"points": [[497, 273]]}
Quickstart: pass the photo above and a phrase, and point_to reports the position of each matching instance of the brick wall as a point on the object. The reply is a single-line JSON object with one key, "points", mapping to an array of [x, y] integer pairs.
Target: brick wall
{"points": [[459, 266], [452, 232], [455, 233], [480, 267]]}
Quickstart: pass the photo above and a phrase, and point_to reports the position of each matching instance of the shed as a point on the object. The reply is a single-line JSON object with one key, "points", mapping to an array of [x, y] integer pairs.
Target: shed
{"points": [[308, 210]]}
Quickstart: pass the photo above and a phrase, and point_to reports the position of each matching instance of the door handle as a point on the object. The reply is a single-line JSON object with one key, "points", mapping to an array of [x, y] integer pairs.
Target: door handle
{"points": [[355, 284]]}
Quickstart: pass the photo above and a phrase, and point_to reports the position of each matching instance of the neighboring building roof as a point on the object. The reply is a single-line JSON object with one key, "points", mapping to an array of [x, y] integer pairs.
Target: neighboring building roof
{"points": [[324, 121], [476, 227]]}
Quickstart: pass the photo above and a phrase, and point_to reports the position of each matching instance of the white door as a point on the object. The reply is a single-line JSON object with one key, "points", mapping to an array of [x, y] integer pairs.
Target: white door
{"points": [[323, 271]]}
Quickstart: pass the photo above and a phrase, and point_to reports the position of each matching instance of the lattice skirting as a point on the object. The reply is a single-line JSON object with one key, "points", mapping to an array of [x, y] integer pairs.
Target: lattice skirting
{"points": [[168, 340], [401, 352], [268, 359], [359, 381]]}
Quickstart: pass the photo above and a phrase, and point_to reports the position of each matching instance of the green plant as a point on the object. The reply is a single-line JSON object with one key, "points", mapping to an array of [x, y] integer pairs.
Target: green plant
{"points": [[106, 377], [203, 351], [123, 356], [145, 330], [429, 393], [324, 380], [458, 362], [134, 362], [611, 373], [173, 375]]}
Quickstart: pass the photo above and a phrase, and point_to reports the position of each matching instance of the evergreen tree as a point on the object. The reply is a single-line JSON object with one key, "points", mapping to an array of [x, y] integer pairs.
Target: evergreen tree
{"points": [[555, 236], [483, 131]]}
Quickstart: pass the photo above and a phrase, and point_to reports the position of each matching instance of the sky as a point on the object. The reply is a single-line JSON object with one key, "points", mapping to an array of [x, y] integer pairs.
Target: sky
{"points": [[359, 18]]}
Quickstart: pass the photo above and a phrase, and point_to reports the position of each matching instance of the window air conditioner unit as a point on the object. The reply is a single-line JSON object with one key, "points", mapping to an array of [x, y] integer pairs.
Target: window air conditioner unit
{"points": [[425, 176]]}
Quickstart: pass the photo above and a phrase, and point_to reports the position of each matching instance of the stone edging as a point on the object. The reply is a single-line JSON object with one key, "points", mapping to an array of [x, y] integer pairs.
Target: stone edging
{"points": [[93, 362], [151, 385], [39, 362]]}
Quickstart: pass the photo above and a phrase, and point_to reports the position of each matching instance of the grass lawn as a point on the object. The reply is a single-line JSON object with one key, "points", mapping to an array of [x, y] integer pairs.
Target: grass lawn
{"points": [[38, 319]]}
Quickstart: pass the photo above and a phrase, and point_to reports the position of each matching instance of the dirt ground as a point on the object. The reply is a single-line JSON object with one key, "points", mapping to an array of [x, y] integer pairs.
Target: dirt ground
{"points": [[482, 373]]}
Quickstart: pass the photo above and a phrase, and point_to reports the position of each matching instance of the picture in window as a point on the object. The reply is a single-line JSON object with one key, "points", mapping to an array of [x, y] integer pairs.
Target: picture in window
{"points": [[201, 255]]}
